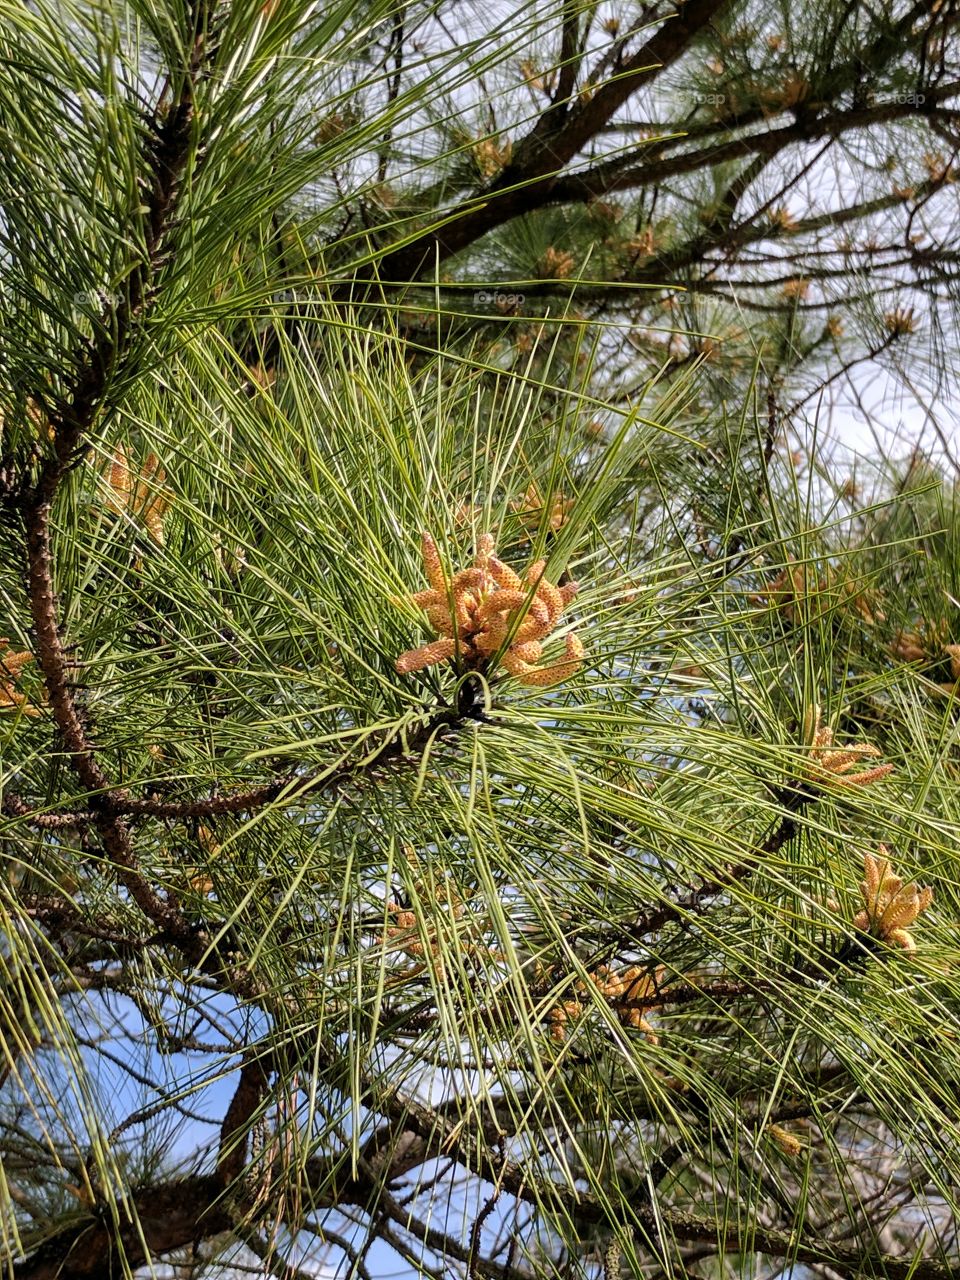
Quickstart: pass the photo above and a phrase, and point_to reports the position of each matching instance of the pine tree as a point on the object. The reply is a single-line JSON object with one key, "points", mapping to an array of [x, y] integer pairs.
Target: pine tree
{"points": [[464, 805]]}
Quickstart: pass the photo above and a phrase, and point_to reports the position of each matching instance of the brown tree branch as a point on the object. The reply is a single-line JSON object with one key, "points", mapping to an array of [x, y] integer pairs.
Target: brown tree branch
{"points": [[164, 1218], [394, 747], [186, 1210], [168, 151], [167, 158], [534, 178], [571, 52], [234, 1132], [614, 175], [559, 134], [795, 800], [14, 806]]}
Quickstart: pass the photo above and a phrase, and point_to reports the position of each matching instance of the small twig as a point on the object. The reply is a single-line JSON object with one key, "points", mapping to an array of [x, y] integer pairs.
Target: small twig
{"points": [[395, 47], [394, 746], [795, 800], [488, 1207], [14, 806]]}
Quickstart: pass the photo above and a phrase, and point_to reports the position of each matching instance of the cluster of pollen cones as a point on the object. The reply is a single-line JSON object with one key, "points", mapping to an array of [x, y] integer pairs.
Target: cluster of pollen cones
{"points": [[488, 612], [11, 665], [889, 905]]}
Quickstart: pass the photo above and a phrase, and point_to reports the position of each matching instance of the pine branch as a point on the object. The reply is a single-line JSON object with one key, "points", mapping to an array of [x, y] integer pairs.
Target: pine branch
{"points": [[571, 53], [251, 1088], [530, 178], [186, 1210], [167, 158], [167, 154], [167, 1216], [14, 806], [795, 800], [616, 175], [395, 748]]}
